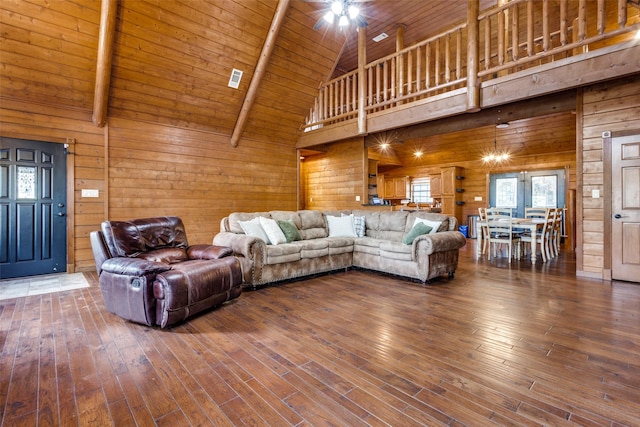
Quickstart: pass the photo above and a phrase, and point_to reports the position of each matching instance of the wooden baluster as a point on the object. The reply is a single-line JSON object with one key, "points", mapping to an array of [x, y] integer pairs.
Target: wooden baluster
{"points": [[409, 73], [427, 66], [369, 86], [487, 43], [385, 80], [546, 36], [563, 22], [458, 53], [393, 77], [530, 22], [501, 43], [379, 96], [622, 13], [418, 69], [515, 33], [601, 18], [447, 59], [437, 64], [582, 20]]}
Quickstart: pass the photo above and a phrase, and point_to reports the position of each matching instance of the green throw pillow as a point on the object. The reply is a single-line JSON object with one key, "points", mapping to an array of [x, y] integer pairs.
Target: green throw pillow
{"points": [[290, 230], [418, 230]]}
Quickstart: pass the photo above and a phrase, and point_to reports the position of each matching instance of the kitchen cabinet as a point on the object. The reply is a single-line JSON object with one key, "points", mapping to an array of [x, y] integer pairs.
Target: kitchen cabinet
{"points": [[435, 183], [452, 191], [395, 187]]}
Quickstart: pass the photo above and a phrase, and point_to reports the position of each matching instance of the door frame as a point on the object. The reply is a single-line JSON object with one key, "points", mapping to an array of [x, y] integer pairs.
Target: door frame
{"points": [[70, 184]]}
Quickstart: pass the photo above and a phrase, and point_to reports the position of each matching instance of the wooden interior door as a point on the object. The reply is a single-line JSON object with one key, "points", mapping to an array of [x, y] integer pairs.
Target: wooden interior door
{"points": [[33, 223], [625, 204]]}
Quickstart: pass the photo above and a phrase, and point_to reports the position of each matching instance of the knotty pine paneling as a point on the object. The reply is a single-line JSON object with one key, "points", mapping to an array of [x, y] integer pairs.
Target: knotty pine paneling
{"points": [[42, 123], [614, 106], [332, 180], [541, 143], [162, 170]]}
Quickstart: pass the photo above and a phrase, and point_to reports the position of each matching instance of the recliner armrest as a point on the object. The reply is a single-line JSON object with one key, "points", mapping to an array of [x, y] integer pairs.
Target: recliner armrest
{"points": [[205, 251], [441, 241], [133, 266]]}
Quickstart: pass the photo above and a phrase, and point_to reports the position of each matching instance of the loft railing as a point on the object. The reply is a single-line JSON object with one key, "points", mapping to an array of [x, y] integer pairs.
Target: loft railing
{"points": [[518, 35]]}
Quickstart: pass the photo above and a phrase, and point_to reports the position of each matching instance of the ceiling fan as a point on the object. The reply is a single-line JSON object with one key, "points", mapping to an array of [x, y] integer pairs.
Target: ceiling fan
{"points": [[345, 12]]}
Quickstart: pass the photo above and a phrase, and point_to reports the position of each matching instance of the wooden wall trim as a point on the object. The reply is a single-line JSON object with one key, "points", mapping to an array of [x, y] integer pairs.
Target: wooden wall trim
{"points": [[70, 208], [579, 179], [106, 172], [606, 208]]}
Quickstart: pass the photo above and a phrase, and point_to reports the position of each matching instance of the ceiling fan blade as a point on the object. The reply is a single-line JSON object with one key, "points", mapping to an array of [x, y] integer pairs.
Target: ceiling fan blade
{"points": [[361, 21]]}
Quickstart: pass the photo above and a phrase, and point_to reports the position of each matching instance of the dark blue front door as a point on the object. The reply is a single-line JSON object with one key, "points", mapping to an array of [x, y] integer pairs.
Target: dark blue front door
{"points": [[33, 223]]}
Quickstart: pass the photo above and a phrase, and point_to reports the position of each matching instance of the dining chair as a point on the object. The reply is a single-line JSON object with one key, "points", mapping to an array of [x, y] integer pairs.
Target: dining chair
{"points": [[535, 212], [556, 234], [543, 238], [501, 232], [484, 229]]}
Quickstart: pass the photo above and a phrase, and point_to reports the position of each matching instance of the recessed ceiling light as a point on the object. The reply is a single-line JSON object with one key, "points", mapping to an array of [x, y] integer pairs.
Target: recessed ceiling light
{"points": [[380, 37]]}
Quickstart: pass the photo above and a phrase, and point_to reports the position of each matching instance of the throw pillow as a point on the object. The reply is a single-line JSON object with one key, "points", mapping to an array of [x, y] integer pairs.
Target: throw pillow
{"points": [[341, 226], [290, 230], [433, 224], [274, 233], [254, 229], [359, 225], [418, 230]]}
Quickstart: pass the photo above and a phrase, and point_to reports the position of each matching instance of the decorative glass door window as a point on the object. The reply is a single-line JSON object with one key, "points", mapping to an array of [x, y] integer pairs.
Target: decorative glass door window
{"points": [[26, 182], [544, 190], [507, 192]]}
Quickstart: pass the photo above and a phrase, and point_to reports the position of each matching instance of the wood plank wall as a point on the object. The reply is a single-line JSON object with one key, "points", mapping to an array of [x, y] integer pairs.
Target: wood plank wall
{"points": [[612, 106], [156, 169], [332, 180]]}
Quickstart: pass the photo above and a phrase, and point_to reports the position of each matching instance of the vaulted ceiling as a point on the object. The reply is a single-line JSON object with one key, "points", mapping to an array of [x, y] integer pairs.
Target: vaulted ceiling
{"points": [[172, 59]]}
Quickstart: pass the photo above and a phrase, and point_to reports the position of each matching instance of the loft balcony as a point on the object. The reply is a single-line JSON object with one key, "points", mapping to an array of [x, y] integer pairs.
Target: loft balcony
{"points": [[520, 50]]}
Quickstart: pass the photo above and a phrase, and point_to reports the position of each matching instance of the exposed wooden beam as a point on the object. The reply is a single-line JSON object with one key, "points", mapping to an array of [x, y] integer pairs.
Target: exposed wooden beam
{"points": [[105, 58], [261, 68], [362, 80]]}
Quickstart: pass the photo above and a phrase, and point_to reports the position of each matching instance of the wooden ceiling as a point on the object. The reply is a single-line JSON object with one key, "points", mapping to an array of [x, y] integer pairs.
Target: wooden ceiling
{"points": [[173, 58]]}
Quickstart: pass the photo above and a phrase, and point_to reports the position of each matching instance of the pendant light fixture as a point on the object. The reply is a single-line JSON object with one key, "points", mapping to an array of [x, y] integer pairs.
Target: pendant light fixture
{"points": [[346, 12], [496, 156]]}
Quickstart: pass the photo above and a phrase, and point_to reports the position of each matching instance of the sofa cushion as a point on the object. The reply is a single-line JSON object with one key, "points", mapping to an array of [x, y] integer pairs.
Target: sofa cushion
{"points": [[340, 245], [367, 245], [312, 225], [396, 250], [290, 230], [313, 248], [275, 234], [418, 229], [340, 226], [391, 226], [436, 217], [254, 228], [292, 216], [165, 255], [286, 252], [234, 217], [433, 225]]}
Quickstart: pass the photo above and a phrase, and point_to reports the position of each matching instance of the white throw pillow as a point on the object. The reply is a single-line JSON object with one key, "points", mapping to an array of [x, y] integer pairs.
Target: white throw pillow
{"points": [[433, 224], [341, 226], [254, 229], [273, 230]]}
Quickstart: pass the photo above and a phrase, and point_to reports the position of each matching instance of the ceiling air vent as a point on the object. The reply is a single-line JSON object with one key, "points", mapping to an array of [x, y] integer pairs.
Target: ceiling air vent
{"points": [[234, 80], [380, 37]]}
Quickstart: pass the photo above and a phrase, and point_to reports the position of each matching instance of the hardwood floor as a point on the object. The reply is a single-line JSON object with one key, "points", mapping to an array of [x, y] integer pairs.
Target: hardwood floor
{"points": [[499, 344]]}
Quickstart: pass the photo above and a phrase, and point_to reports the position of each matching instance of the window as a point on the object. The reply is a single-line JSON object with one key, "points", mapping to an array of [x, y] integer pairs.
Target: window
{"points": [[421, 190]]}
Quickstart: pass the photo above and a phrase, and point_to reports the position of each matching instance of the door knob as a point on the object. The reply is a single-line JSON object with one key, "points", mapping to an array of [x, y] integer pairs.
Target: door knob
{"points": [[617, 216], [60, 213]]}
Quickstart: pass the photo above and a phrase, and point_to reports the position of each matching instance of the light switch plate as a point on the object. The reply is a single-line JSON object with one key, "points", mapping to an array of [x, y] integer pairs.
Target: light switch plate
{"points": [[90, 193], [595, 194], [477, 199], [357, 198]]}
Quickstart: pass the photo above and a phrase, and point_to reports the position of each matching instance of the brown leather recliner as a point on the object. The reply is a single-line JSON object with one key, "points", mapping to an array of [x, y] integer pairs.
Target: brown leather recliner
{"points": [[149, 274]]}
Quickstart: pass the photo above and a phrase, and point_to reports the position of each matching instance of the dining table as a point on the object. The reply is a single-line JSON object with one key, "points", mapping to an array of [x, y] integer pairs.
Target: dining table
{"points": [[531, 224]]}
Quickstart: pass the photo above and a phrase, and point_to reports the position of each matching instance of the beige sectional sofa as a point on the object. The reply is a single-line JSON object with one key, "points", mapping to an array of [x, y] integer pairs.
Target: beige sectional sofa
{"points": [[325, 246]]}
